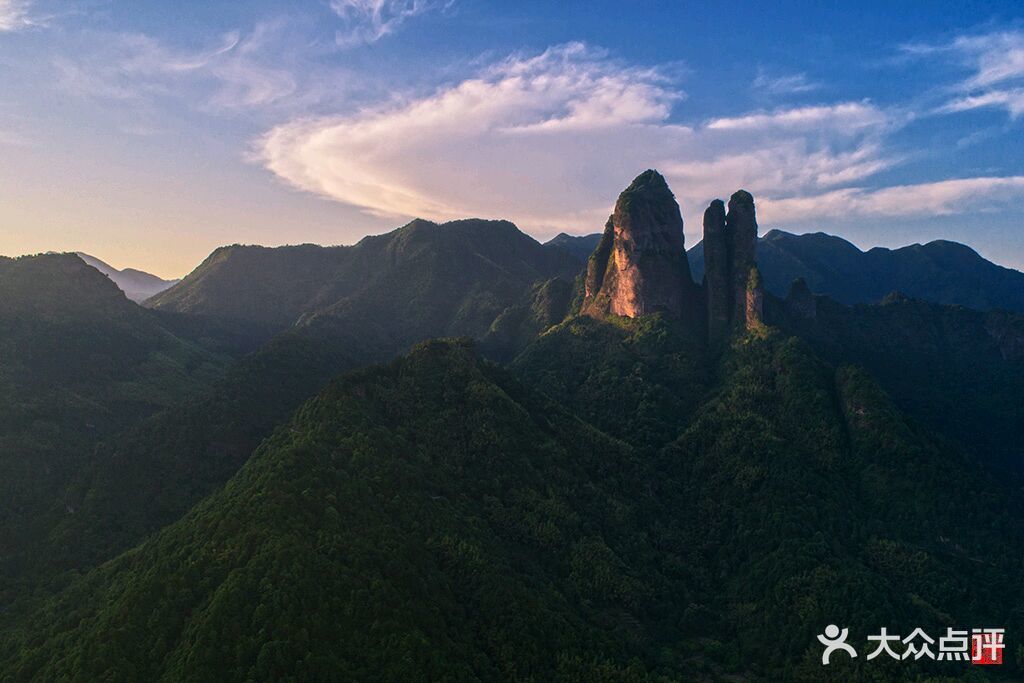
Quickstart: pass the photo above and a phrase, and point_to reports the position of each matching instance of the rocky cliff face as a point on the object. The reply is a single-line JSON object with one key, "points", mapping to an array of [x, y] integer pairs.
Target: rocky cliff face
{"points": [[640, 265], [717, 276], [741, 226], [732, 287]]}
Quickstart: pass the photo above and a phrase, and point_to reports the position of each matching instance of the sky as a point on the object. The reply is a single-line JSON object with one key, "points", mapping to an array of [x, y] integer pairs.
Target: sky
{"points": [[148, 133]]}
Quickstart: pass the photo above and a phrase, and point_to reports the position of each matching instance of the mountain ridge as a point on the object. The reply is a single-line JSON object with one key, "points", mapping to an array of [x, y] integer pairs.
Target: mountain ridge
{"points": [[482, 267], [136, 284], [942, 271]]}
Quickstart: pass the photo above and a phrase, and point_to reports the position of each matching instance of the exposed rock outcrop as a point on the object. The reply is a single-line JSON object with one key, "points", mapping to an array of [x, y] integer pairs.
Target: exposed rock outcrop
{"points": [[597, 264], [741, 227], [717, 278], [730, 241], [640, 266]]}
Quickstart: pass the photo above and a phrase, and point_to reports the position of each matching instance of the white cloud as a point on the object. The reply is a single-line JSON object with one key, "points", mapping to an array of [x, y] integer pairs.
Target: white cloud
{"points": [[996, 63], [548, 141], [14, 15], [1012, 100], [924, 199], [997, 57], [367, 21], [846, 115]]}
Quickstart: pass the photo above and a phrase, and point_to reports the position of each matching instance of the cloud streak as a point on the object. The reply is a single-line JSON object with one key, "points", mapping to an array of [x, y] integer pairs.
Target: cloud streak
{"points": [[846, 115], [787, 84], [996, 63], [940, 198], [1012, 100]]}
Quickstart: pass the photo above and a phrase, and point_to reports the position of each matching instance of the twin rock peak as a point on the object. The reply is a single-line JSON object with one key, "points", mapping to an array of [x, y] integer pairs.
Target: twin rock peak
{"points": [[640, 265]]}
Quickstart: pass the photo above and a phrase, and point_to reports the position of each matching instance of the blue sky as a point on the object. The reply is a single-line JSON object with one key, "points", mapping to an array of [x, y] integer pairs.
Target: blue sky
{"points": [[149, 133]]}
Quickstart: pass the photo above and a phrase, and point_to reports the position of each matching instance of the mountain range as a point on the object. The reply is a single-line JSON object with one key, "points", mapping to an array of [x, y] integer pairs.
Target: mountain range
{"points": [[941, 271], [422, 280], [136, 284], [451, 452]]}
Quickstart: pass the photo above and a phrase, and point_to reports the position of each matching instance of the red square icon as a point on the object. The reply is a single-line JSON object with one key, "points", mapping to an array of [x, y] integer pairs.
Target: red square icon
{"points": [[987, 647]]}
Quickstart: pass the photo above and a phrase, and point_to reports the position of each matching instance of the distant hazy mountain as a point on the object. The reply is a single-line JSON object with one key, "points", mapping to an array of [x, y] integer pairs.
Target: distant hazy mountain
{"points": [[940, 271], [137, 285], [580, 246], [418, 281]]}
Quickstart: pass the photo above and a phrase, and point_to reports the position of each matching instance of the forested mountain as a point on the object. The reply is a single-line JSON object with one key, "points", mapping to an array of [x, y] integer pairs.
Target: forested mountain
{"points": [[958, 371], [437, 475], [435, 518], [78, 363], [418, 281], [941, 271], [153, 472], [546, 304], [633, 475], [136, 284], [150, 473]]}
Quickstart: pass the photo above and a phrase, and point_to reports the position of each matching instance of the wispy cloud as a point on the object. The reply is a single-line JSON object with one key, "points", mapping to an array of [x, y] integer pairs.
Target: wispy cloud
{"points": [[367, 21], [238, 71], [14, 15], [846, 115], [547, 139], [996, 65], [1012, 100], [997, 57], [923, 199], [783, 84]]}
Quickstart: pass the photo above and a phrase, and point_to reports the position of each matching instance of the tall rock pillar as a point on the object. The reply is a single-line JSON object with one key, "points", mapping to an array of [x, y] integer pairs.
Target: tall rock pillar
{"points": [[732, 284], [717, 275], [741, 224], [640, 266]]}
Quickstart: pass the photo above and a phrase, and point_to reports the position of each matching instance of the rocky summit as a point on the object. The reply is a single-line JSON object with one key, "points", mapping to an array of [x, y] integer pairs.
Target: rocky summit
{"points": [[640, 265]]}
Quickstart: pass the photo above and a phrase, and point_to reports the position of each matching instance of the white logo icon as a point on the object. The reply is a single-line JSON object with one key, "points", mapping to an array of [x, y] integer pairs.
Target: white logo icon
{"points": [[833, 639]]}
